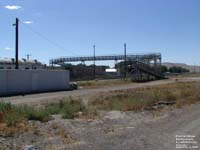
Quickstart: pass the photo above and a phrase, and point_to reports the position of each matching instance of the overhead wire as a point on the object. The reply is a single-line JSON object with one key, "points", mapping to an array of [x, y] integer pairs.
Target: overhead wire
{"points": [[47, 39], [40, 34], [37, 33]]}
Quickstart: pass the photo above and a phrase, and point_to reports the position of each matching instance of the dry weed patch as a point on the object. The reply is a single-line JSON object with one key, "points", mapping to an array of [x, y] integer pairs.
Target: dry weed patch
{"points": [[145, 98]]}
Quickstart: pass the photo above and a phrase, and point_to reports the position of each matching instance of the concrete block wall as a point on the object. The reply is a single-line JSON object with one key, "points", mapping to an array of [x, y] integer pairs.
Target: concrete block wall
{"points": [[30, 81]]}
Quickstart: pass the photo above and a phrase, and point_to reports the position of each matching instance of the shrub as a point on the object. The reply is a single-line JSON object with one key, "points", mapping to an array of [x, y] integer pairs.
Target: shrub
{"points": [[5, 106], [11, 118], [39, 114], [53, 108], [11, 114], [70, 108]]}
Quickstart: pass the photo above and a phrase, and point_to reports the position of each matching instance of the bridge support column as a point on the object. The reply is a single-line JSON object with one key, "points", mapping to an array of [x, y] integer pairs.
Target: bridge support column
{"points": [[160, 62], [155, 62]]}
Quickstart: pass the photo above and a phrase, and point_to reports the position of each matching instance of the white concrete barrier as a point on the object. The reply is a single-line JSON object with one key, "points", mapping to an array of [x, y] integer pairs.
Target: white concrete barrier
{"points": [[30, 81]]}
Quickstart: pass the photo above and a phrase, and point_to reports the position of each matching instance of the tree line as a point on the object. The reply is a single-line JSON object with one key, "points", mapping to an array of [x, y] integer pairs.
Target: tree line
{"points": [[174, 69]]}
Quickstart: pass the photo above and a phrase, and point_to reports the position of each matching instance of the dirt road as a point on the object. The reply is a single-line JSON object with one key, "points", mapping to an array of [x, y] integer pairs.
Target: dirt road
{"points": [[84, 94]]}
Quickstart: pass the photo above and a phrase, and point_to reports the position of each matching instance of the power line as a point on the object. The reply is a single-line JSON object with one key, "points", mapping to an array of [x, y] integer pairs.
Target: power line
{"points": [[47, 39]]}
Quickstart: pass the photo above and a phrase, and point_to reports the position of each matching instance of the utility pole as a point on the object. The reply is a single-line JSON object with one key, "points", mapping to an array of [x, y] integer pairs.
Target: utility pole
{"points": [[94, 69], [199, 68], [16, 43], [28, 56], [194, 68], [125, 63]]}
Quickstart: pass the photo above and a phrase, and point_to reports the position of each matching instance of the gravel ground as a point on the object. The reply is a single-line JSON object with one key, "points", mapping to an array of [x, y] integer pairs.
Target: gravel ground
{"points": [[112, 131]]}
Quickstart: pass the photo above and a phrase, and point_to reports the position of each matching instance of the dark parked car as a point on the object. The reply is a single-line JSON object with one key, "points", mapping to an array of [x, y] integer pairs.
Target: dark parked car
{"points": [[73, 86]]}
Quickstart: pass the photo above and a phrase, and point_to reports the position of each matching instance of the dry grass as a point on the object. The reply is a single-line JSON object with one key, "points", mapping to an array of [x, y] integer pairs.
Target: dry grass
{"points": [[60, 131], [12, 115], [124, 100], [22, 127], [189, 75], [146, 98], [103, 83]]}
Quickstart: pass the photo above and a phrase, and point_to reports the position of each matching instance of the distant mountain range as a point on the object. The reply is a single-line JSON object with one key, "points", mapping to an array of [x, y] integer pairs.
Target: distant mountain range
{"points": [[189, 67]]}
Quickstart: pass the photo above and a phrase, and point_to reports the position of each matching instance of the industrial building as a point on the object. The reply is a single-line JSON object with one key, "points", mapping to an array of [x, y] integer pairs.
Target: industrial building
{"points": [[9, 63], [15, 82]]}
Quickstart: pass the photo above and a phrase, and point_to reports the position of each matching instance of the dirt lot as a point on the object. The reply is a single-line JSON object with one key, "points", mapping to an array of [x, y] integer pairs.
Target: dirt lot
{"points": [[111, 130]]}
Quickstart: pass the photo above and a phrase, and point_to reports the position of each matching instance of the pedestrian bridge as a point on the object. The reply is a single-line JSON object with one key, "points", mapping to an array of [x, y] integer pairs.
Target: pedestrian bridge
{"points": [[129, 57]]}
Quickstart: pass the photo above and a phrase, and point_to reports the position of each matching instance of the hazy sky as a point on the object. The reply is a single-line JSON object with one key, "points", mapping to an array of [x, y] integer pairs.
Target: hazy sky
{"points": [[171, 27]]}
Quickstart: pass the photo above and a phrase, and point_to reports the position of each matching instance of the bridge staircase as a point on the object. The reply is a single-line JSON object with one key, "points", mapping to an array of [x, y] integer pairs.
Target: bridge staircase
{"points": [[140, 71]]}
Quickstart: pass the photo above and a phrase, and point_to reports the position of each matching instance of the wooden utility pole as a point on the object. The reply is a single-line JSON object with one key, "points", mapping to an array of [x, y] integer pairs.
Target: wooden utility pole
{"points": [[94, 69], [125, 63], [16, 43]]}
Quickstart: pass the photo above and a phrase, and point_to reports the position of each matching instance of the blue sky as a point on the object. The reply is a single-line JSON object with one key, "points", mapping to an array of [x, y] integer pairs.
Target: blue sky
{"points": [[171, 27]]}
